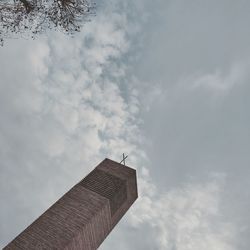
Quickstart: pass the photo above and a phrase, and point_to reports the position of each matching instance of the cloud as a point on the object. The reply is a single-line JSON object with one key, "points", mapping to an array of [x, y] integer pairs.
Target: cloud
{"points": [[62, 111], [219, 83], [68, 103], [186, 217]]}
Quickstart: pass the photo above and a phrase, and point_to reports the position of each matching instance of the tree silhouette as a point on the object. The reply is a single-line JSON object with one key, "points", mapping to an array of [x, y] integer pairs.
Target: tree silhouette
{"points": [[35, 16]]}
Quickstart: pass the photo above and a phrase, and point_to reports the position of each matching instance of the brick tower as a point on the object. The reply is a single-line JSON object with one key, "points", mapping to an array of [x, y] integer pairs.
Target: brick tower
{"points": [[85, 215]]}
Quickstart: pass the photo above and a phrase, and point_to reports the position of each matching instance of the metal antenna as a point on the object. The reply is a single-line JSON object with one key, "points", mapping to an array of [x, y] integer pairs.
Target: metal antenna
{"points": [[123, 159]]}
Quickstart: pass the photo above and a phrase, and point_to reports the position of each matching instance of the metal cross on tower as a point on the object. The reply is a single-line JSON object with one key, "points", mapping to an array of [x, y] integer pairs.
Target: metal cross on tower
{"points": [[123, 159]]}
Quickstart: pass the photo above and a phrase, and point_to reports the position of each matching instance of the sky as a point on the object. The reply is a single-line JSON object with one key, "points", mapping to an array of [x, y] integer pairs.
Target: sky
{"points": [[166, 82]]}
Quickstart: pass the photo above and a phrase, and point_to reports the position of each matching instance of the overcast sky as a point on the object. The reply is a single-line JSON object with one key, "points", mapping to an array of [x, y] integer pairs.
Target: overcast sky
{"points": [[166, 82]]}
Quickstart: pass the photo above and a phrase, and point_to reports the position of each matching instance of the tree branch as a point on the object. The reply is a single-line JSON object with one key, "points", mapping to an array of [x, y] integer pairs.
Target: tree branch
{"points": [[27, 5]]}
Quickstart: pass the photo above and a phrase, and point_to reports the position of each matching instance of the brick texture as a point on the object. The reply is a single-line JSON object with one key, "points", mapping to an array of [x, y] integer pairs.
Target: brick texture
{"points": [[85, 215]]}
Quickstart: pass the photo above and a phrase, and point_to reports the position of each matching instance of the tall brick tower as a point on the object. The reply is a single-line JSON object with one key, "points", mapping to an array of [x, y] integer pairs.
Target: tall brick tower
{"points": [[86, 214]]}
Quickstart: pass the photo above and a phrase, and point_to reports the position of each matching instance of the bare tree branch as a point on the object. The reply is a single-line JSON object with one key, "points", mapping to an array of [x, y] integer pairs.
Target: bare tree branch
{"points": [[35, 16], [27, 5]]}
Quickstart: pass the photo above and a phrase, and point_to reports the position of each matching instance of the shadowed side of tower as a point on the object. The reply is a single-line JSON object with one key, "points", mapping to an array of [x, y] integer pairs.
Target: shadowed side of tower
{"points": [[86, 214]]}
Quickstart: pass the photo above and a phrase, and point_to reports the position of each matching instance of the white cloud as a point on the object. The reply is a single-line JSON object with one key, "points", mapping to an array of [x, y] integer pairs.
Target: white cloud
{"points": [[221, 82], [62, 112], [64, 108], [186, 217]]}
